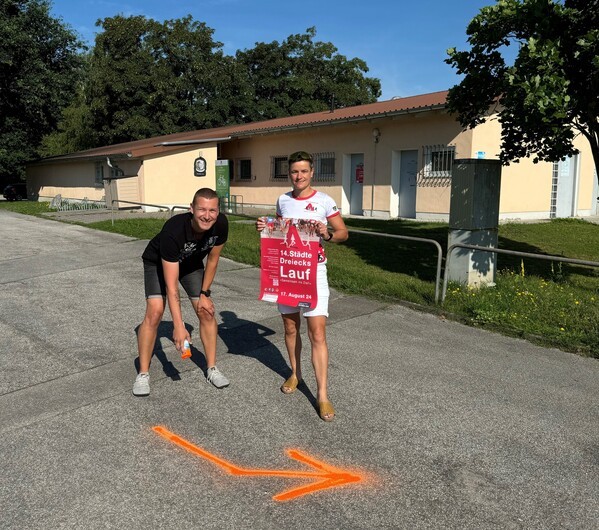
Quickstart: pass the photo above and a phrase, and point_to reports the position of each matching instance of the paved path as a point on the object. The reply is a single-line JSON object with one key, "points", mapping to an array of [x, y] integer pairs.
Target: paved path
{"points": [[445, 426]]}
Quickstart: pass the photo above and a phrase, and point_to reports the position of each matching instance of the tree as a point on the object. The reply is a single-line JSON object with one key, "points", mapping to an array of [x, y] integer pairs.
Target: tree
{"points": [[119, 88], [551, 91], [149, 78], [39, 67], [300, 76], [146, 78], [204, 87], [74, 131]]}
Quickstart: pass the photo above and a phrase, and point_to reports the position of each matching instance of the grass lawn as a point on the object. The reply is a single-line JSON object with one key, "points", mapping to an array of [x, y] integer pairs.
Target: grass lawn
{"points": [[26, 207], [546, 302]]}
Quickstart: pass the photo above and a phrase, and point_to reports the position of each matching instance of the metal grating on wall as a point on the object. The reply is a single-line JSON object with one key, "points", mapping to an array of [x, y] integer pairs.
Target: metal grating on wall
{"points": [[279, 167], [324, 167], [437, 164]]}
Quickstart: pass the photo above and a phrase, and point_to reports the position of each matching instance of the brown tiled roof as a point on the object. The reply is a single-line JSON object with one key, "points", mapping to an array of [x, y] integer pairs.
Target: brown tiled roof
{"points": [[167, 143]]}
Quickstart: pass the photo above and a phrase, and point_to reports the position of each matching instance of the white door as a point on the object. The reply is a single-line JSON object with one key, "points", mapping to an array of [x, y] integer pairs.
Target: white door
{"points": [[408, 172], [566, 187]]}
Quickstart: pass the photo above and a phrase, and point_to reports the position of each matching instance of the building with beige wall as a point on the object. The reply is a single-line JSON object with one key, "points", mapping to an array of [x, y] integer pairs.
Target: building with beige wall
{"points": [[387, 159]]}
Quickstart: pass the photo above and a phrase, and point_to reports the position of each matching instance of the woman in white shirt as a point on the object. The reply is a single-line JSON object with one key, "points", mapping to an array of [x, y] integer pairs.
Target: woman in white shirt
{"points": [[304, 202]]}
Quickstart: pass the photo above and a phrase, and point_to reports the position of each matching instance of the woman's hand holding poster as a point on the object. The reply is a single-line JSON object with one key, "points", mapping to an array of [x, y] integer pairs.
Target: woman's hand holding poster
{"points": [[288, 261]]}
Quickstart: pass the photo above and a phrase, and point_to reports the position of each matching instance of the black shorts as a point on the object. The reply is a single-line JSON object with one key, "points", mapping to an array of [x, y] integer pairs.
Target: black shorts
{"points": [[156, 287]]}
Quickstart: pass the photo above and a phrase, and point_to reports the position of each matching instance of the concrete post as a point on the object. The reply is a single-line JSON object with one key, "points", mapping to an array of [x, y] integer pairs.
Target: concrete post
{"points": [[474, 219]]}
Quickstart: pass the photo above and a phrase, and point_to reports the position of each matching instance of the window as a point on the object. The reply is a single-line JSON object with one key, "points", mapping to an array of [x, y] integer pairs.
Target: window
{"points": [[324, 167], [115, 171], [244, 169], [554, 179], [99, 175], [279, 167], [438, 161]]}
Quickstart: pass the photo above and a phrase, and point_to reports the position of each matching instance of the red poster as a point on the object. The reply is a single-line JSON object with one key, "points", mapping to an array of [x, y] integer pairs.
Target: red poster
{"points": [[360, 173], [288, 261]]}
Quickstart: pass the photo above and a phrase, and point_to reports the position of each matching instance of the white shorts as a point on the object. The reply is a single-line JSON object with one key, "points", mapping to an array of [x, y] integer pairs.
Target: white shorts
{"points": [[322, 291]]}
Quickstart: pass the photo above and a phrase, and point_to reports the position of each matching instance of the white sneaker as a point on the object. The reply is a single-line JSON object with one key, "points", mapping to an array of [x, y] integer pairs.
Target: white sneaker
{"points": [[141, 387], [214, 376]]}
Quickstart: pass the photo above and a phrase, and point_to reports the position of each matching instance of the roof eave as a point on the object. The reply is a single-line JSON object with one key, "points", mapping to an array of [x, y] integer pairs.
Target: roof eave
{"points": [[83, 158], [335, 121], [192, 142]]}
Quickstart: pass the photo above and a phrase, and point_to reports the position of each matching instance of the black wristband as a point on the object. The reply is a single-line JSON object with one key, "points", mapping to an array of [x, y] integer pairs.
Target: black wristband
{"points": [[206, 293], [330, 236]]}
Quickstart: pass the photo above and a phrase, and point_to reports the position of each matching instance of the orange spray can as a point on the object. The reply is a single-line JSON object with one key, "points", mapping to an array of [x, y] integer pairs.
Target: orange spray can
{"points": [[186, 351]]}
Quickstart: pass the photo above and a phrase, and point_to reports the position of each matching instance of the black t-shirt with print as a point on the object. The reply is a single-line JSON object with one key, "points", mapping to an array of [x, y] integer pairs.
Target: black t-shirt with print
{"points": [[178, 242]]}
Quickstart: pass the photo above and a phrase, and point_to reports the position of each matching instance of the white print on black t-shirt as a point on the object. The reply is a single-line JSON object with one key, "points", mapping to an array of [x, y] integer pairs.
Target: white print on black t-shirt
{"points": [[187, 250], [210, 242], [190, 248]]}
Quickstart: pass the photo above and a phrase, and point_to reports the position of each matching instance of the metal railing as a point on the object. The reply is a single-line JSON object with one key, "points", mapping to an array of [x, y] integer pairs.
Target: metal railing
{"points": [[231, 204], [546, 257], [450, 250], [173, 208], [410, 238]]}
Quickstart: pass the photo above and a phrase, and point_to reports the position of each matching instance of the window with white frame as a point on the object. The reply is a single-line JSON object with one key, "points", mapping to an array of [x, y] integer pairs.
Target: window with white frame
{"points": [[554, 179], [99, 175], [244, 169], [279, 167], [437, 161], [324, 166]]}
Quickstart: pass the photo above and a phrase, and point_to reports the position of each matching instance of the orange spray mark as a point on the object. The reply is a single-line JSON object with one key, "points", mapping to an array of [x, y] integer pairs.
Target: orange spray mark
{"points": [[325, 476]]}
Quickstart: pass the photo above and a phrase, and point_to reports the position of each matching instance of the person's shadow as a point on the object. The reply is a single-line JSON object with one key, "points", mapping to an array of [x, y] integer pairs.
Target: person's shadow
{"points": [[165, 330], [244, 337], [241, 337]]}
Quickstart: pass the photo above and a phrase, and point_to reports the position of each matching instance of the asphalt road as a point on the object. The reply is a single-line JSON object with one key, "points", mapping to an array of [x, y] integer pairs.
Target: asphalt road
{"points": [[438, 425]]}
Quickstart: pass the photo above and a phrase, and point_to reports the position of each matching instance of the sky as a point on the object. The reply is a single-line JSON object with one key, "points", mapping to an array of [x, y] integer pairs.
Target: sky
{"points": [[404, 43]]}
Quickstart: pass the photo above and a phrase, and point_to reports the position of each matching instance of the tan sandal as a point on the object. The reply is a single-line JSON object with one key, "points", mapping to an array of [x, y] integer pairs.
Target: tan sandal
{"points": [[290, 386], [326, 410]]}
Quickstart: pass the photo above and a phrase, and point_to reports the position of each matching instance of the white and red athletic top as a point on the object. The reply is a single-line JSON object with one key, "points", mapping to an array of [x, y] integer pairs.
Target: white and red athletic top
{"points": [[316, 207]]}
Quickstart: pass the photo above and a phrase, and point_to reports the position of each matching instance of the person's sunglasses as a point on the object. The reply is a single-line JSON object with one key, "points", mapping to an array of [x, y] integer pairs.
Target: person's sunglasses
{"points": [[298, 156]]}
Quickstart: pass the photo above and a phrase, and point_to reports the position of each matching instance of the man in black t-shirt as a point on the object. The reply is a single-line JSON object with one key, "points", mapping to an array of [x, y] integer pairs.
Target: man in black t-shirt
{"points": [[176, 255]]}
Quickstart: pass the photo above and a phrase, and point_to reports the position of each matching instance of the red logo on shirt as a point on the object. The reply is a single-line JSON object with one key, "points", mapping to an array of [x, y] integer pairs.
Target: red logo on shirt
{"points": [[310, 208]]}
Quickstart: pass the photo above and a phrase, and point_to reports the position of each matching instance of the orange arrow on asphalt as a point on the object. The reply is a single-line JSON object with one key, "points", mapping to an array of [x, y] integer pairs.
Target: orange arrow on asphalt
{"points": [[326, 476]]}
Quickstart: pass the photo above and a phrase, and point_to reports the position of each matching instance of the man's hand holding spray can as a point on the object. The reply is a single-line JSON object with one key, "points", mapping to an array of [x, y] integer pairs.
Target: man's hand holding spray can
{"points": [[186, 351]]}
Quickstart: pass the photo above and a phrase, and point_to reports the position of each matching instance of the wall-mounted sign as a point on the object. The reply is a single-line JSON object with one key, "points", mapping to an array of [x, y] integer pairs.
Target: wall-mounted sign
{"points": [[222, 180], [360, 173], [199, 167]]}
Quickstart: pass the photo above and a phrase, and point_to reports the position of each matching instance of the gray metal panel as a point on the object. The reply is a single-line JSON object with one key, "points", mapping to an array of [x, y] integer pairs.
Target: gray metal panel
{"points": [[475, 188], [473, 267]]}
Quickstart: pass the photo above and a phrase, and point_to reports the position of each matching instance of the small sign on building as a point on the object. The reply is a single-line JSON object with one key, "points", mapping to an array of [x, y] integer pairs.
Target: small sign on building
{"points": [[199, 167], [360, 173]]}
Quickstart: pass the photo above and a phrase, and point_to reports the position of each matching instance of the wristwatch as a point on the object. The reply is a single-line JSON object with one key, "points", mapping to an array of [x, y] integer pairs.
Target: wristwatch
{"points": [[328, 238], [206, 293]]}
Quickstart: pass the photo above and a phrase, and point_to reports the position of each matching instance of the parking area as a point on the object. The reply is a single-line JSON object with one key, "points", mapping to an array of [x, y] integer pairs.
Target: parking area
{"points": [[438, 425]]}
